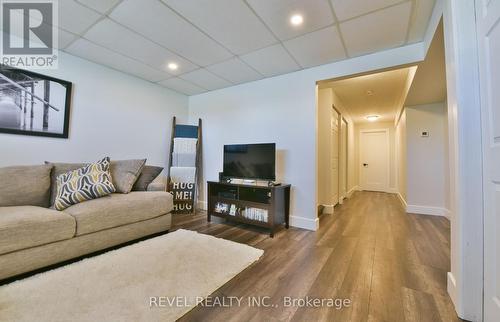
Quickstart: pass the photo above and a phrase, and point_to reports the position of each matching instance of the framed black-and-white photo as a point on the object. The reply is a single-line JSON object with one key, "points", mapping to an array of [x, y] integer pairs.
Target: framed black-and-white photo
{"points": [[221, 207], [33, 104]]}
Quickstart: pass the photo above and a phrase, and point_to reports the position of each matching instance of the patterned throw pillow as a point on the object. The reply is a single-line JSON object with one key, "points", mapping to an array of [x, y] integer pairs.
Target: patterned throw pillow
{"points": [[90, 182]]}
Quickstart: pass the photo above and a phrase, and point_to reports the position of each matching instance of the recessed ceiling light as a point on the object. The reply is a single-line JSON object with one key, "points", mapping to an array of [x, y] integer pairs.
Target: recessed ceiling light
{"points": [[173, 66], [296, 20], [372, 118], [369, 92]]}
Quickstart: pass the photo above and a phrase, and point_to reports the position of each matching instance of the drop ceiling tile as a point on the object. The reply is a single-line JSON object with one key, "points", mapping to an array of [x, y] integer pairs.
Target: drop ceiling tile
{"points": [[234, 70], [377, 31], [205, 79], [276, 14], [182, 86], [155, 20], [103, 6], [74, 17], [271, 61], [232, 23], [422, 13], [111, 35], [346, 9], [86, 49], [65, 38], [316, 48]]}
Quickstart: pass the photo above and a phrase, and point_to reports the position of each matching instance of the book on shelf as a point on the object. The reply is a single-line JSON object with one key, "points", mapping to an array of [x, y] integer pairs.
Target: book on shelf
{"points": [[255, 214]]}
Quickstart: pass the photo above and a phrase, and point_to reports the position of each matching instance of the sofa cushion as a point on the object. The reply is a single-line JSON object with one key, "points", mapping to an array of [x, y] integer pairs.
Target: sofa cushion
{"points": [[160, 183], [119, 209], [58, 169], [148, 174], [124, 173], [25, 186], [90, 182], [28, 226]]}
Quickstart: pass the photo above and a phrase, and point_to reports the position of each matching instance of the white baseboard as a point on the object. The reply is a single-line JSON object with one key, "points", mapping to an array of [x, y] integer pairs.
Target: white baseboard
{"points": [[403, 201], [447, 214], [426, 210], [451, 287], [328, 209], [353, 189], [202, 205], [304, 223], [388, 190]]}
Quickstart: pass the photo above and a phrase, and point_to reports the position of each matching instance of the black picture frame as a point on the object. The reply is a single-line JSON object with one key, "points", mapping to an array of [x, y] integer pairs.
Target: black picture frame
{"points": [[68, 86]]}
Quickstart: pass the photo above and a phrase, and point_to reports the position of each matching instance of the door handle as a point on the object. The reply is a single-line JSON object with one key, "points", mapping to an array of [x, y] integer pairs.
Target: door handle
{"points": [[365, 165]]}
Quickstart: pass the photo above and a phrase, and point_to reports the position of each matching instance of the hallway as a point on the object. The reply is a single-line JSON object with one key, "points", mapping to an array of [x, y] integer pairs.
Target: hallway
{"points": [[391, 265]]}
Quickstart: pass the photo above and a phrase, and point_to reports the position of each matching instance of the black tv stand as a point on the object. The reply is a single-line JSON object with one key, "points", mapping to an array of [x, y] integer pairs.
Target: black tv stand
{"points": [[259, 205]]}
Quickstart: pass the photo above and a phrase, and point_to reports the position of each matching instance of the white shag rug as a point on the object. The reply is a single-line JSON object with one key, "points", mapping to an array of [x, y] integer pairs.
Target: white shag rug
{"points": [[119, 285]]}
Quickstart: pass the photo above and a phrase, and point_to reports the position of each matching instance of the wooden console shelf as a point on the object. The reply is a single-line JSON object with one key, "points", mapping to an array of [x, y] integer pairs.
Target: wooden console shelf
{"points": [[271, 202]]}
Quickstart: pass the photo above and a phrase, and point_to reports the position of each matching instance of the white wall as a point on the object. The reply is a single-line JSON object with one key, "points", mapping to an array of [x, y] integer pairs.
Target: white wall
{"points": [[392, 148], [465, 278], [352, 181], [401, 157], [112, 114], [282, 109], [265, 111], [427, 159], [327, 98], [447, 197], [324, 185]]}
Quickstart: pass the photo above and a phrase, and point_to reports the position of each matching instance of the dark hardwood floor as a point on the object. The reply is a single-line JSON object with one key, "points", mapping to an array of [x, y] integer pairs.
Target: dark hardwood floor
{"points": [[391, 265]]}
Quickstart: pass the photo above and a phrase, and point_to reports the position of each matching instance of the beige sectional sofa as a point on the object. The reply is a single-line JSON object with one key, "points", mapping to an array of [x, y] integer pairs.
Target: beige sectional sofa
{"points": [[33, 236]]}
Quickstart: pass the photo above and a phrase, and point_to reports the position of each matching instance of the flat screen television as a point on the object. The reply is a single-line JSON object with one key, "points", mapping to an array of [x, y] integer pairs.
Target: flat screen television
{"points": [[250, 161]]}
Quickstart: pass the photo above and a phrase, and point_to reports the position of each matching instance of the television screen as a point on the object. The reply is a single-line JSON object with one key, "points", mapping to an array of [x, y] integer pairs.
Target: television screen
{"points": [[250, 161]]}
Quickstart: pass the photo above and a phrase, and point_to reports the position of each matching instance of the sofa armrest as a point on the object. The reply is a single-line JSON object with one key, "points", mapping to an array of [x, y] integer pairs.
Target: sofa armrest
{"points": [[158, 184]]}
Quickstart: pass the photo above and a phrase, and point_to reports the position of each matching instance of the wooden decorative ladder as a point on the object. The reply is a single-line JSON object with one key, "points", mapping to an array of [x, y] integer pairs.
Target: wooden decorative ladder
{"points": [[185, 193]]}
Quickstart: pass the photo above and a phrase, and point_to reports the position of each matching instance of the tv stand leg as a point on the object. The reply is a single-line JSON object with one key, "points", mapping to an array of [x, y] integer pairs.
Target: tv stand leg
{"points": [[272, 231], [209, 218], [287, 207]]}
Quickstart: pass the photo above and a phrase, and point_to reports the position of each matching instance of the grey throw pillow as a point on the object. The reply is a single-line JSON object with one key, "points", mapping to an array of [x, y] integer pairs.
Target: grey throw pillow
{"points": [[148, 174], [59, 168], [124, 174], [25, 186]]}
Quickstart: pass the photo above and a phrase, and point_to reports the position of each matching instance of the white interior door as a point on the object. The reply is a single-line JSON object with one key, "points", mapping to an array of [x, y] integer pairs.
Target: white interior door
{"points": [[335, 156], [488, 33], [374, 159], [343, 160]]}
